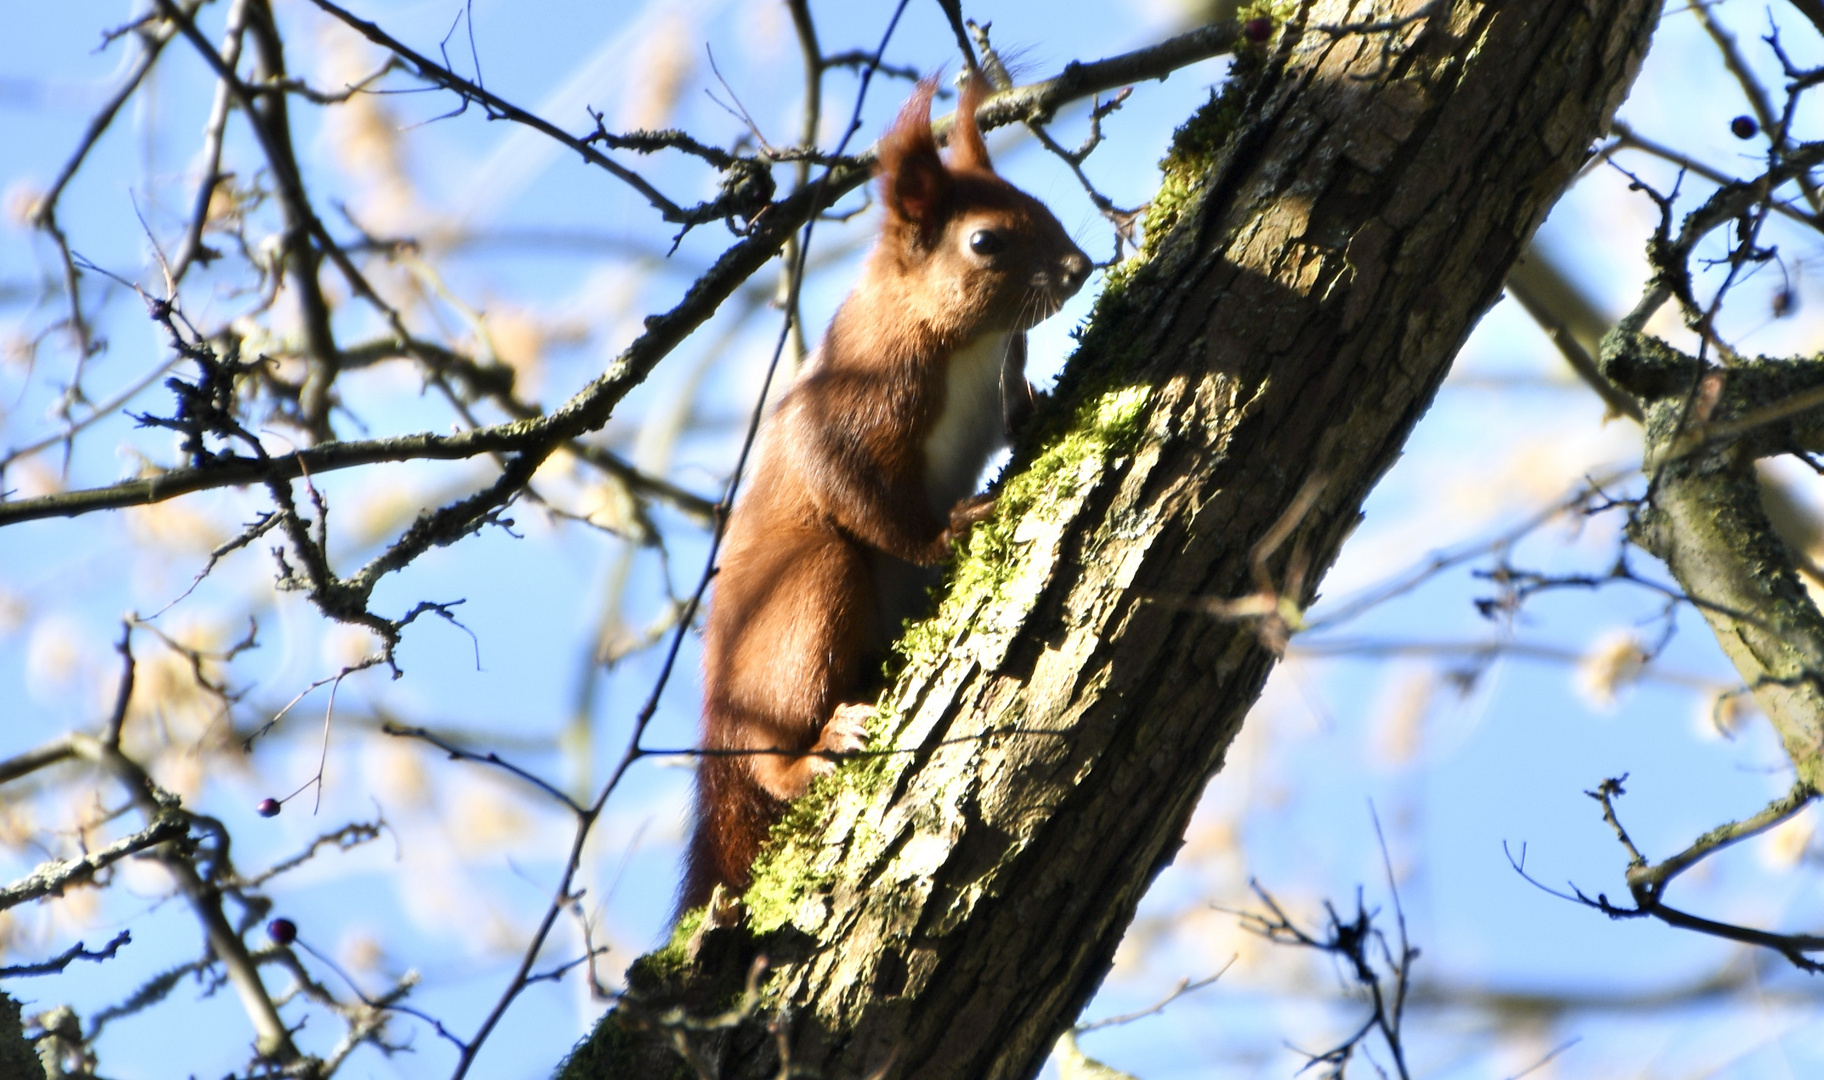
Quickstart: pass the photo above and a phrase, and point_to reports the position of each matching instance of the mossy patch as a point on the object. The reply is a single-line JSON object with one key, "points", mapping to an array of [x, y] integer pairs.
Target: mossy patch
{"points": [[786, 870], [672, 959], [1187, 164], [1198, 143], [613, 1051], [1106, 425]]}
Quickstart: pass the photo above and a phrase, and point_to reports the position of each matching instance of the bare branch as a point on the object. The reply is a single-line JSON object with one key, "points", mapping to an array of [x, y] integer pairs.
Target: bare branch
{"points": [[590, 407], [152, 37], [1628, 138], [1654, 877], [58, 749], [1581, 362], [457, 753], [51, 878], [433, 72], [349, 836], [1605, 794], [1647, 882], [1185, 986], [205, 898], [100, 412], [1353, 942], [62, 960], [1124, 221], [1743, 74], [191, 250]]}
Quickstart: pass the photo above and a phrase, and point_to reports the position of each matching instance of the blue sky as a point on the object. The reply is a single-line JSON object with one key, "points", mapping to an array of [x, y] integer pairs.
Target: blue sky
{"points": [[1453, 775]]}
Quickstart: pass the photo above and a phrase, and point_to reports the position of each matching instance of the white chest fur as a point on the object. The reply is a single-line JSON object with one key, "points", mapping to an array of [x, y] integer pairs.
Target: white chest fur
{"points": [[972, 425]]}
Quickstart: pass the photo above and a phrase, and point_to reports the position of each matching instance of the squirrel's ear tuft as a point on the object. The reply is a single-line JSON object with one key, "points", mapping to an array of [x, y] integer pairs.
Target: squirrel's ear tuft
{"points": [[913, 180], [967, 150]]}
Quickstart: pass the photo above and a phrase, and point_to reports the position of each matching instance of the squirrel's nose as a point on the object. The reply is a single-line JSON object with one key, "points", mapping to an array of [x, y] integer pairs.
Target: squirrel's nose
{"points": [[1075, 270]]}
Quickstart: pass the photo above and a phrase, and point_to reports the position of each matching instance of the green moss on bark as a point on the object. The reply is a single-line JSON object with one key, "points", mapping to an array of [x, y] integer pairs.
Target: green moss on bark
{"points": [[1198, 143], [789, 871], [673, 958]]}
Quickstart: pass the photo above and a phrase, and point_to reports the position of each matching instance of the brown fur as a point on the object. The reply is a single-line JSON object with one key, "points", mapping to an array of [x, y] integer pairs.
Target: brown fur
{"points": [[825, 551]]}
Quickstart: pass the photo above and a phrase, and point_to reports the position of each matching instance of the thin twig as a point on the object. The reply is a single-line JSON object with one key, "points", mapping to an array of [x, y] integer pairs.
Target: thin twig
{"points": [[431, 71], [62, 960], [1185, 986], [152, 37], [457, 753], [191, 250], [1647, 882], [590, 407], [1628, 138], [1619, 401]]}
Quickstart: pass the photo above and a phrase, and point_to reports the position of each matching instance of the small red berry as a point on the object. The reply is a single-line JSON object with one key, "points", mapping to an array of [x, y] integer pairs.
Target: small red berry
{"points": [[269, 807], [1257, 30], [1744, 127], [282, 931]]}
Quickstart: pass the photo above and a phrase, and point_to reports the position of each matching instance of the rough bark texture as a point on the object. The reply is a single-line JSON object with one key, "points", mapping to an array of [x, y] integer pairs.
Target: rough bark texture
{"points": [[1704, 518], [17, 1061], [1327, 235]]}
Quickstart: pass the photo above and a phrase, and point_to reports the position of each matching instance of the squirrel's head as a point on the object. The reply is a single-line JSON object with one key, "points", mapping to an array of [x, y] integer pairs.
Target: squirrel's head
{"points": [[976, 253]]}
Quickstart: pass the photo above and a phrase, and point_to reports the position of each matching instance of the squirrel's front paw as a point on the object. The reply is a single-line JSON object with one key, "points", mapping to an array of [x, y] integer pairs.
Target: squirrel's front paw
{"points": [[969, 511], [844, 733]]}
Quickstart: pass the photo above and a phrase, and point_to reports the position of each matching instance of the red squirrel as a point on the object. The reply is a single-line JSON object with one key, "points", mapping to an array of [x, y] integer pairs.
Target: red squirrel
{"points": [[865, 474]]}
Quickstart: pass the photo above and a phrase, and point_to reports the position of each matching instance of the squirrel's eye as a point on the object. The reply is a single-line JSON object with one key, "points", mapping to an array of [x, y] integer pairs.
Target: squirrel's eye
{"points": [[986, 242]]}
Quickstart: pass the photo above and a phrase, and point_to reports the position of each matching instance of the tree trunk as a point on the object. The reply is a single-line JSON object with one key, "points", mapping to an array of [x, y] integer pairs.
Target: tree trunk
{"points": [[1328, 232]]}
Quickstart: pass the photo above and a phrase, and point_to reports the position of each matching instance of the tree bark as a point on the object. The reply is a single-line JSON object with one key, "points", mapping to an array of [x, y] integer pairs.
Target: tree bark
{"points": [[1327, 234], [1703, 516]]}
